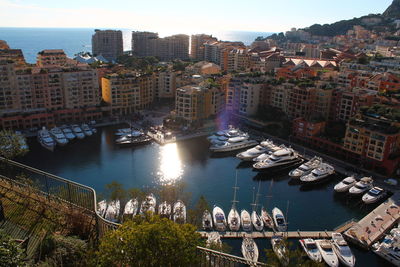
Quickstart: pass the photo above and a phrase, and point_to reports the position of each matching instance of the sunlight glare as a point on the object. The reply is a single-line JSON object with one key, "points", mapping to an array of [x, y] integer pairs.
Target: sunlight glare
{"points": [[171, 169]]}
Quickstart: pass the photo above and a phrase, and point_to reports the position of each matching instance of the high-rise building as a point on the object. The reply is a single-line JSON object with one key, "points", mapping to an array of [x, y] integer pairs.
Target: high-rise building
{"points": [[197, 45], [143, 43], [51, 57], [107, 43]]}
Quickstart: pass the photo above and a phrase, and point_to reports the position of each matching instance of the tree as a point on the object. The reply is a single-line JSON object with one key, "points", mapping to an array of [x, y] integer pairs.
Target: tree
{"points": [[195, 216], [11, 254], [12, 145], [150, 241]]}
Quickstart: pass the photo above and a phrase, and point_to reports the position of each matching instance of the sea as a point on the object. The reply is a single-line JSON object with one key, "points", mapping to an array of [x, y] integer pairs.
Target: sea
{"points": [[75, 40]]}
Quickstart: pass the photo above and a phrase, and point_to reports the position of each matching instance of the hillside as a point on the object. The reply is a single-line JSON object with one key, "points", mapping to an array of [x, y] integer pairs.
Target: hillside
{"points": [[393, 11]]}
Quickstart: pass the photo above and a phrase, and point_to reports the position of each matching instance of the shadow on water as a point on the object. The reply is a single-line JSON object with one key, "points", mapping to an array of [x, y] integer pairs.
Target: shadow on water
{"points": [[245, 164]]}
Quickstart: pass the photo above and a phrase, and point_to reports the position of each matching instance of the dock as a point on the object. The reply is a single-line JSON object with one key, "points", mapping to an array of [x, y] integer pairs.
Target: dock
{"points": [[269, 234], [375, 224]]}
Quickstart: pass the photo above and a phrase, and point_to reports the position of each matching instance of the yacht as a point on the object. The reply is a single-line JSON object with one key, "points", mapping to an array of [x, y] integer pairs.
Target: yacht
{"points": [[179, 212], [279, 220], [374, 195], [207, 220], [328, 255], [389, 248], [256, 220], [101, 208], [266, 218], [224, 135], [310, 248], [129, 139], [164, 210], [305, 168], [112, 212], [68, 133], [265, 156], [342, 250], [345, 184], [233, 144], [254, 152], [279, 159], [131, 207], [149, 204], [361, 187], [125, 131], [46, 140], [233, 215], [219, 219], [77, 131], [318, 175], [280, 250], [246, 221], [86, 129], [250, 251], [58, 136]]}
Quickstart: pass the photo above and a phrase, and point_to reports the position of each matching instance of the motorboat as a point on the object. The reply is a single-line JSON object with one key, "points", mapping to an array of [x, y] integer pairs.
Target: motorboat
{"points": [[58, 136], [232, 145], [342, 250], [389, 248], [365, 184], [68, 133], [266, 218], [374, 195], [256, 220], [149, 204], [207, 222], [46, 140], [131, 207], [246, 221], [128, 139], [280, 249], [101, 208], [310, 248], [250, 251], [305, 168], [279, 220], [251, 153], [278, 159], [164, 209], [77, 131], [224, 135], [321, 173], [112, 212], [214, 240], [86, 129], [179, 212], [125, 131], [219, 219], [328, 255], [266, 155], [345, 184]]}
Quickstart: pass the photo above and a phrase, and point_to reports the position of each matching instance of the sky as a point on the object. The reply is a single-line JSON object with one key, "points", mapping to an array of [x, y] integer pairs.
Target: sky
{"points": [[183, 16]]}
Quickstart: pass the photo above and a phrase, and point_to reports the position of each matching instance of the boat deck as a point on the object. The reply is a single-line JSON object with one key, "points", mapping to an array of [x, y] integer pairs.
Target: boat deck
{"points": [[269, 234], [375, 224]]}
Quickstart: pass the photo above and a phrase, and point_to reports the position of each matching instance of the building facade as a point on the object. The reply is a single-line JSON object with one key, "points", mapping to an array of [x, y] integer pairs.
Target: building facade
{"points": [[107, 43]]}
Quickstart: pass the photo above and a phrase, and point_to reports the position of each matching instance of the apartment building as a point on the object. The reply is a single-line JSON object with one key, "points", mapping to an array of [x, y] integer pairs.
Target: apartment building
{"points": [[249, 98], [280, 96], [143, 43], [301, 102], [107, 43], [51, 57], [165, 85], [197, 45], [14, 55], [190, 103]]}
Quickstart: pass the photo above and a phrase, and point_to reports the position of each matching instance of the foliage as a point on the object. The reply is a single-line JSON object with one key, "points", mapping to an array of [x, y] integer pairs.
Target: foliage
{"points": [[115, 191], [145, 64], [11, 254], [195, 215], [179, 65], [384, 111], [149, 241], [11, 144]]}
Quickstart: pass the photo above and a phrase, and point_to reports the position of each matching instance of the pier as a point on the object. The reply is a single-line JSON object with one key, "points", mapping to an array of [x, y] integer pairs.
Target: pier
{"points": [[291, 234], [375, 224]]}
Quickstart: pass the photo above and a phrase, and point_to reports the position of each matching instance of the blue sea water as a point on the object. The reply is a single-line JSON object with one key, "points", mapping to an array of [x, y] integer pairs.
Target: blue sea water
{"points": [[75, 40]]}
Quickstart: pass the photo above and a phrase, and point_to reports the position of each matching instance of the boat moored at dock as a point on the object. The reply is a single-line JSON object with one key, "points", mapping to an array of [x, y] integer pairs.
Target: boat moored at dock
{"points": [[374, 195], [310, 248], [58, 136], [179, 212], [46, 140], [305, 168], [342, 250], [246, 221], [345, 184], [131, 207], [319, 174], [361, 187], [279, 220], [233, 145], [280, 159], [250, 250], [207, 221], [219, 219]]}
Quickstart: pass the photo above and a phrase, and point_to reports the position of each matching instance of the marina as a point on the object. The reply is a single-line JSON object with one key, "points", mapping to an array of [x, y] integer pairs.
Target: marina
{"points": [[270, 234]]}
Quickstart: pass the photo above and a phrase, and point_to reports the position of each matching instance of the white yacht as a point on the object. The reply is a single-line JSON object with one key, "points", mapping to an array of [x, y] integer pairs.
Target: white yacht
{"points": [[77, 131], [345, 184], [256, 220], [251, 153], [266, 218], [319, 174], [219, 219], [68, 132], [279, 220], [58, 136], [389, 248], [342, 250], [362, 186], [165, 209], [179, 212], [131, 207], [310, 247], [233, 144], [246, 221], [224, 135], [149, 204], [328, 255], [305, 168], [207, 220], [112, 212], [280, 249], [250, 251], [46, 140], [374, 195], [272, 148], [86, 129], [279, 159], [101, 208]]}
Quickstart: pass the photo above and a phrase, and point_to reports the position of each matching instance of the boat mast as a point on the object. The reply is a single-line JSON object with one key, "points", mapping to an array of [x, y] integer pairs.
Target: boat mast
{"points": [[234, 201], [253, 204], [258, 193], [287, 211], [269, 194]]}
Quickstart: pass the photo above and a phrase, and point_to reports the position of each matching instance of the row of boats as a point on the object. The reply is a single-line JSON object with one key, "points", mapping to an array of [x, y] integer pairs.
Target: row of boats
{"points": [[130, 136], [389, 247], [111, 210], [61, 136]]}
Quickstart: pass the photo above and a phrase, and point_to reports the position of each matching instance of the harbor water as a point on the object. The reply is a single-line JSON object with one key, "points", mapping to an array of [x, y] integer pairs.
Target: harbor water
{"points": [[96, 161]]}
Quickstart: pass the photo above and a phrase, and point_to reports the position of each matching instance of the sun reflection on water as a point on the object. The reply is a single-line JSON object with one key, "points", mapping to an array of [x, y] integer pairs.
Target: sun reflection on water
{"points": [[171, 168]]}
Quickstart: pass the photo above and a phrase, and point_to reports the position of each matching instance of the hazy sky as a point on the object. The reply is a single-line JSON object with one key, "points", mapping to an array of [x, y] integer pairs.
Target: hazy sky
{"points": [[183, 16]]}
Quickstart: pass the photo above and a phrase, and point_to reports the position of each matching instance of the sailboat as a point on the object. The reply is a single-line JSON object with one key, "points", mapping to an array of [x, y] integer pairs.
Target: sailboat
{"points": [[280, 249], [255, 218], [265, 216], [233, 216], [250, 251]]}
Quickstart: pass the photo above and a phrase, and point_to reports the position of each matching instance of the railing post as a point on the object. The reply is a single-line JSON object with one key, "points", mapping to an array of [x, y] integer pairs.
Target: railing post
{"points": [[47, 187]]}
